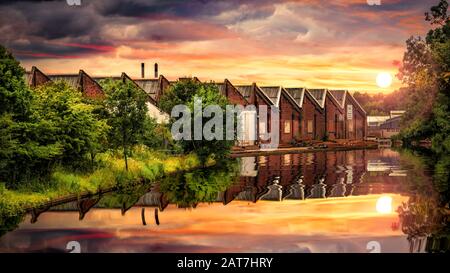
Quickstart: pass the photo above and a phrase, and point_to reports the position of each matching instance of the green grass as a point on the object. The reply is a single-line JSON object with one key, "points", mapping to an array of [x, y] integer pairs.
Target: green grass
{"points": [[145, 166]]}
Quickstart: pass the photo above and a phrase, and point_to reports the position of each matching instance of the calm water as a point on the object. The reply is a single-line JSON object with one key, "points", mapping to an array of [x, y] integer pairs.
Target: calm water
{"points": [[311, 202]]}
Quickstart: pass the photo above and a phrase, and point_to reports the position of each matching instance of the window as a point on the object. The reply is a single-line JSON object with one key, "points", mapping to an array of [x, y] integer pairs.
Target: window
{"points": [[309, 127], [262, 128], [287, 127], [350, 127]]}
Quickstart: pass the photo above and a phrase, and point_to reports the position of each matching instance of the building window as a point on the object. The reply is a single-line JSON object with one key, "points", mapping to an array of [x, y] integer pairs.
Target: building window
{"points": [[262, 128], [309, 127], [350, 127], [287, 127]]}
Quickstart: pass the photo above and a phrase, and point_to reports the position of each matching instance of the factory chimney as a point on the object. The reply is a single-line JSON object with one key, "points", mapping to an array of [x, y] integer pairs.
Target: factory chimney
{"points": [[156, 70], [142, 70]]}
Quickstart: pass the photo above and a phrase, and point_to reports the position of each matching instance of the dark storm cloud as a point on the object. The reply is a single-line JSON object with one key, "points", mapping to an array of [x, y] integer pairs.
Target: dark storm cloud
{"points": [[45, 27], [177, 8], [53, 28]]}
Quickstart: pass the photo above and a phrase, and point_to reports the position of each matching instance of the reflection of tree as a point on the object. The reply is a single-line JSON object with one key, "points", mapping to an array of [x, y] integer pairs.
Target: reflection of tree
{"points": [[421, 218], [187, 189], [425, 217], [9, 223]]}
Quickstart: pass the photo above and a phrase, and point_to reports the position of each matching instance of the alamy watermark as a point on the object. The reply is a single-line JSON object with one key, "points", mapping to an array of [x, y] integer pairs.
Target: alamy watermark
{"points": [[249, 123], [374, 2], [73, 2]]}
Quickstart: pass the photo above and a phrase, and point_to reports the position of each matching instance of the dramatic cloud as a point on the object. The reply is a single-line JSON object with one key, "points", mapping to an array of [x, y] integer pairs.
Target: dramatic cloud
{"points": [[317, 43]]}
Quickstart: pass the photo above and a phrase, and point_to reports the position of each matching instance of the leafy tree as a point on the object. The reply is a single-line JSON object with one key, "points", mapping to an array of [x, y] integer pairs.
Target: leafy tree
{"points": [[185, 93], [71, 122], [425, 70], [15, 97], [20, 156], [127, 115]]}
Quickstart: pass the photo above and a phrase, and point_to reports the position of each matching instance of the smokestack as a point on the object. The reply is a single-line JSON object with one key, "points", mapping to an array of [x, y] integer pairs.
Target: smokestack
{"points": [[142, 70], [156, 70]]}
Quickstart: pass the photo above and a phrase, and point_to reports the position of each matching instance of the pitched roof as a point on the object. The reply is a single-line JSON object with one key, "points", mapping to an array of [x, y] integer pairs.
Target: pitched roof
{"points": [[150, 86], [319, 95], [356, 102], [297, 94], [245, 90], [273, 92], [73, 80], [339, 95], [126, 78]]}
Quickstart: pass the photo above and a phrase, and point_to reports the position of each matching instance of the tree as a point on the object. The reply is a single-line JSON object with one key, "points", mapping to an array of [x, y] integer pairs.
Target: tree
{"points": [[15, 97], [425, 70], [71, 122], [127, 115], [185, 93], [20, 156]]}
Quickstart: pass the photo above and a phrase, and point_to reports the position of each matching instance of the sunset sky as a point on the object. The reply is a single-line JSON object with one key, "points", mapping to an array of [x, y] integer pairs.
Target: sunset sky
{"points": [[314, 43]]}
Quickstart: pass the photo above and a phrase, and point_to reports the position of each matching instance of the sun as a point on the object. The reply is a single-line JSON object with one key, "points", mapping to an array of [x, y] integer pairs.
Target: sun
{"points": [[384, 204], [384, 80]]}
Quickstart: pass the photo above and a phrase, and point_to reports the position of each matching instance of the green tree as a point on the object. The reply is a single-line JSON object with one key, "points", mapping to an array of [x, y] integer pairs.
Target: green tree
{"points": [[425, 70], [127, 115], [21, 156], [185, 93], [15, 97], [70, 122]]}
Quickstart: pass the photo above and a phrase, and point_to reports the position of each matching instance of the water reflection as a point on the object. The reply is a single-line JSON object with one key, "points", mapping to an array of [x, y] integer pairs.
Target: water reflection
{"points": [[330, 201]]}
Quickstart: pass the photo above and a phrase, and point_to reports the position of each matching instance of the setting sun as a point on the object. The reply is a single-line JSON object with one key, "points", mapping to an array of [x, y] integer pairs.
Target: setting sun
{"points": [[384, 80], [384, 204]]}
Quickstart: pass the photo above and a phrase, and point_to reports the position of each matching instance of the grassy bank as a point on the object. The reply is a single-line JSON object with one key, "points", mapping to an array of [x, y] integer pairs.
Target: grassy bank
{"points": [[144, 166]]}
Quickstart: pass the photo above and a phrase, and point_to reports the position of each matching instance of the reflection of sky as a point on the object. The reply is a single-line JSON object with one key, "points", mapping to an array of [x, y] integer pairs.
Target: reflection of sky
{"points": [[319, 225]]}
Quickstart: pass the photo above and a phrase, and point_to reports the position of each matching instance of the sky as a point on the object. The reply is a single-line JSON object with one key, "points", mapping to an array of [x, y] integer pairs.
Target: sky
{"points": [[335, 44]]}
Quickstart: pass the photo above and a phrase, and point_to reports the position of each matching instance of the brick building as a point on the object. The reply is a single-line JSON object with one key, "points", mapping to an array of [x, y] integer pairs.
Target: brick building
{"points": [[334, 117], [289, 113], [311, 110], [81, 81], [255, 96]]}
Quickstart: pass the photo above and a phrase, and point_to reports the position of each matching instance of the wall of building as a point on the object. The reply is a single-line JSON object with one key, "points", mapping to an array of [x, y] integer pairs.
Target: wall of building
{"points": [[355, 120], [334, 122], [308, 120], [90, 88], [287, 116]]}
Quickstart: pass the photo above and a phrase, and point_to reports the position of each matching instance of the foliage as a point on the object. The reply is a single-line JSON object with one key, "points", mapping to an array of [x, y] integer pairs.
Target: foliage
{"points": [[15, 97], [70, 122], [187, 189], [381, 104], [185, 93], [425, 70], [145, 167], [126, 114]]}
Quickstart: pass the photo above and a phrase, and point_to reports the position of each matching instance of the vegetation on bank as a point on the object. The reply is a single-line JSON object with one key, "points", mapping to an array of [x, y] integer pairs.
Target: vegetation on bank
{"points": [[426, 72], [144, 167], [54, 141]]}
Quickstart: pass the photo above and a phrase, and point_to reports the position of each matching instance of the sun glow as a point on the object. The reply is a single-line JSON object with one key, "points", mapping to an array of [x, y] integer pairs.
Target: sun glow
{"points": [[384, 204], [384, 80]]}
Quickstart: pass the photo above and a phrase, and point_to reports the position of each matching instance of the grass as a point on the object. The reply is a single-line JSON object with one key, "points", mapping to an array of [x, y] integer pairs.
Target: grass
{"points": [[144, 166]]}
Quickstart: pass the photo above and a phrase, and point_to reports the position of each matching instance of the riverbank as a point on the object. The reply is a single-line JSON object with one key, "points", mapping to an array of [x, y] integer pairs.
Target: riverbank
{"points": [[313, 146], [144, 167]]}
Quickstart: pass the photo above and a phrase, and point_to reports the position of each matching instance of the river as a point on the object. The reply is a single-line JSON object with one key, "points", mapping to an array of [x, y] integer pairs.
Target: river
{"points": [[344, 201]]}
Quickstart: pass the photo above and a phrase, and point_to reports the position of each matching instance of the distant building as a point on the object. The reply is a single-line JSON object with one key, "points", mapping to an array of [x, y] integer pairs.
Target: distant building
{"points": [[390, 127], [384, 126]]}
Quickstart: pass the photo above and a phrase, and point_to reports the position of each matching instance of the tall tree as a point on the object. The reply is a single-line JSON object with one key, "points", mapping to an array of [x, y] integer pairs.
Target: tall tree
{"points": [[127, 114], [425, 70]]}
